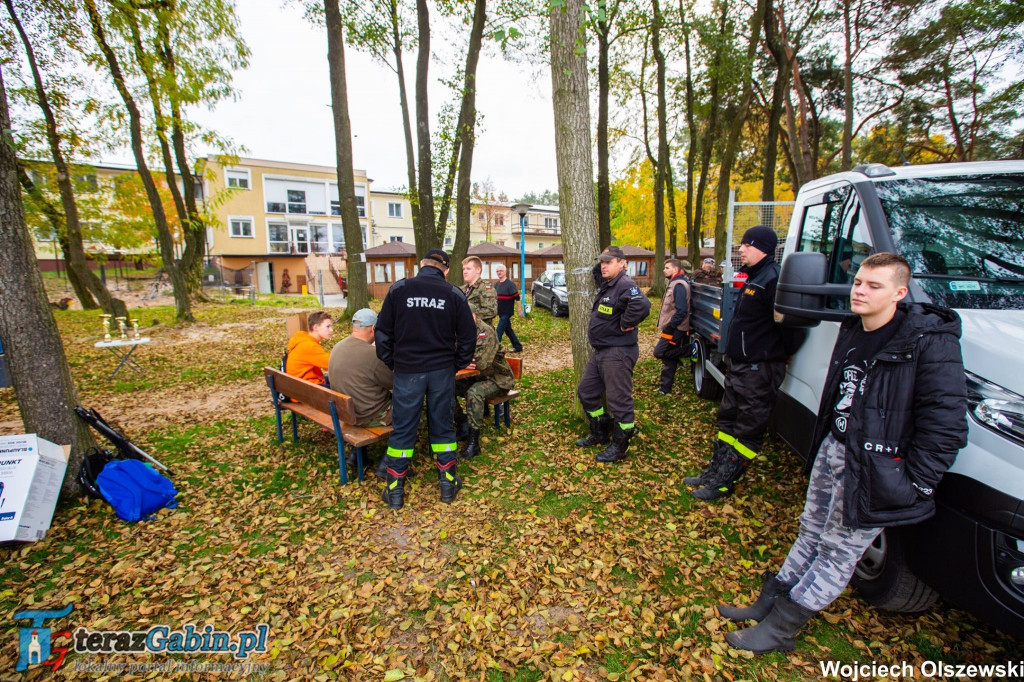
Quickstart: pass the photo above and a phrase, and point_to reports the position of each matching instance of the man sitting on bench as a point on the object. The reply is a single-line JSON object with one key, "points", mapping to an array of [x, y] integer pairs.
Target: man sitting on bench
{"points": [[496, 378], [307, 359]]}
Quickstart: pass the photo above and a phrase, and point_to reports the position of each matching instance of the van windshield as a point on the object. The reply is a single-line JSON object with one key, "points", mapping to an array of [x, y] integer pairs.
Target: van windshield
{"points": [[962, 235]]}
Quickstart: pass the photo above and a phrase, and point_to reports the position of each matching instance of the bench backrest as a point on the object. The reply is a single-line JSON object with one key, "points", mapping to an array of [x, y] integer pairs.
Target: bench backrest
{"points": [[516, 365], [315, 396]]}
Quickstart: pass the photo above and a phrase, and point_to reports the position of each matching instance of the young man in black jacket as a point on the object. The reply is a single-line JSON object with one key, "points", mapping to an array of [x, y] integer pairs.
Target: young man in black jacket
{"points": [[892, 418], [618, 310], [756, 352], [425, 333]]}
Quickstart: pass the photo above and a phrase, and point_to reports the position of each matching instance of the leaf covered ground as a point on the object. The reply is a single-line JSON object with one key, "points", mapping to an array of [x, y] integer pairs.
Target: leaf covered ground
{"points": [[548, 566]]}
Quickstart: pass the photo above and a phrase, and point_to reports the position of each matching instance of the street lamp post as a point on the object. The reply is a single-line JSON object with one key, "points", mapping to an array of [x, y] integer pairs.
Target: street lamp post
{"points": [[522, 209]]}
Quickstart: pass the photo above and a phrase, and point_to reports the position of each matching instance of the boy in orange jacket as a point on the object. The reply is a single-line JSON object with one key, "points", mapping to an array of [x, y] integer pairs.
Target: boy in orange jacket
{"points": [[307, 359]]}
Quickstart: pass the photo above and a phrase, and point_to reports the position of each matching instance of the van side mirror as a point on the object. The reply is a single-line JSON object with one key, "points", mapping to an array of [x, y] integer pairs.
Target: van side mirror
{"points": [[803, 289]]}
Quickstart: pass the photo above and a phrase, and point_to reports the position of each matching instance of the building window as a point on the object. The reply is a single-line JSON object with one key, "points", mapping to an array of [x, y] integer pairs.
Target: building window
{"points": [[481, 216], [396, 239], [87, 183], [551, 223], [335, 208], [394, 209], [296, 201], [499, 220], [540, 245], [239, 178], [277, 238], [361, 205], [318, 238], [276, 207], [447, 241], [240, 227], [517, 246], [337, 238]]}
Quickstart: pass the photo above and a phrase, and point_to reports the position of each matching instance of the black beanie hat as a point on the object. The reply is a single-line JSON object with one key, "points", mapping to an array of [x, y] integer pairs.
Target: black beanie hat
{"points": [[761, 238]]}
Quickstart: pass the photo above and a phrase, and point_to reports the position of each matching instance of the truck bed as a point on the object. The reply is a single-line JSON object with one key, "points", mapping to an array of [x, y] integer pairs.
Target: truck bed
{"points": [[711, 312]]}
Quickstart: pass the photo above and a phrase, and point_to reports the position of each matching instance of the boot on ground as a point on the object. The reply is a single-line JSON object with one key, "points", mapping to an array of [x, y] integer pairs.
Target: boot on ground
{"points": [[600, 431], [448, 478], [724, 480], [472, 447], [717, 457], [776, 632], [394, 488], [616, 450], [771, 590]]}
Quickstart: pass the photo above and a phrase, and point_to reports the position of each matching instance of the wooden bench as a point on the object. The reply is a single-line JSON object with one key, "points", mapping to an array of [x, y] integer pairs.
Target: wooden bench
{"points": [[332, 410], [502, 403]]}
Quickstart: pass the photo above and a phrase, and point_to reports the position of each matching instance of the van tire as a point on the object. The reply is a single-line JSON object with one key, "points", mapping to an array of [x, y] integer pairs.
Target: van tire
{"points": [[885, 580], [704, 384]]}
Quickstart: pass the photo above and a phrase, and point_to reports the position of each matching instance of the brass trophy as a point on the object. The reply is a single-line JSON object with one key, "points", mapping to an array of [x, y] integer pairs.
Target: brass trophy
{"points": [[106, 327], [122, 326], [135, 328]]}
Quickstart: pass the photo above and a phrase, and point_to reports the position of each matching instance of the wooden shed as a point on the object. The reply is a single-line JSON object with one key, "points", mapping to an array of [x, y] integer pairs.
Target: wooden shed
{"points": [[388, 263]]}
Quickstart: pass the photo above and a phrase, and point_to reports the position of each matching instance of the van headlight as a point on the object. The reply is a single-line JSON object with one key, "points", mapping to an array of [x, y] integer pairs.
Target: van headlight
{"points": [[995, 407]]}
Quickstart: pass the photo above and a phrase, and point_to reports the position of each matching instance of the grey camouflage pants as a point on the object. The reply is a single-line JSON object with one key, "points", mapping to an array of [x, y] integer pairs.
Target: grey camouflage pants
{"points": [[821, 561]]}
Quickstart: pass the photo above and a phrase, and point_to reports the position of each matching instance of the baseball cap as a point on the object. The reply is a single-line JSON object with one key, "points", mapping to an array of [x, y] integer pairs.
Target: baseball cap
{"points": [[709, 261], [438, 255], [611, 253], [364, 318]]}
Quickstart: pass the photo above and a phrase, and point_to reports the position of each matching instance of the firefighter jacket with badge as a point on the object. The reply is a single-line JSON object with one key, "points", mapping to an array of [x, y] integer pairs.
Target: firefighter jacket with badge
{"points": [[753, 334], [425, 325], [907, 421], [619, 305], [483, 300], [490, 358]]}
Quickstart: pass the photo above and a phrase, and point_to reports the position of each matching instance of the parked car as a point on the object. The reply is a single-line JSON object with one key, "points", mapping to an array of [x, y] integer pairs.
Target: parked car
{"points": [[960, 227], [548, 291]]}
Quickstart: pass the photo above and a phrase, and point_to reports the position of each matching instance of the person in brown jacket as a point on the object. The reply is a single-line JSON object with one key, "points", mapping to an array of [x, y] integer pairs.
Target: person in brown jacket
{"points": [[674, 324]]}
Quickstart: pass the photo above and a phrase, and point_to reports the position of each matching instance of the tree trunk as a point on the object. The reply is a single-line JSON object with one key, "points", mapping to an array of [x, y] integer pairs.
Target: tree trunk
{"points": [[182, 303], [570, 98], [426, 236], [403, 99], [847, 162], [709, 138], [781, 86], [732, 142], [358, 294], [658, 281], [76, 262], [604, 200], [673, 219], [693, 239], [42, 379], [56, 220], [467, 140]]}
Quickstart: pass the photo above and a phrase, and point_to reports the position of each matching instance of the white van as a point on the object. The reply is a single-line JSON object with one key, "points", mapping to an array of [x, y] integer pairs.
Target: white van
{"points": [[961, 227]]}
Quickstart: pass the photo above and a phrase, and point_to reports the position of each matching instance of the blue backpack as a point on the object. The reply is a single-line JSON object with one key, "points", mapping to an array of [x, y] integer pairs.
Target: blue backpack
{"points": [[134, 490]]}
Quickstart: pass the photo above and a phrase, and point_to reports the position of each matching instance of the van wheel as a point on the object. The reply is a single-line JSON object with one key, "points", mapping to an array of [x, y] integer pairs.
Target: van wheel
{"points": [[885, 580], [703, 384]]}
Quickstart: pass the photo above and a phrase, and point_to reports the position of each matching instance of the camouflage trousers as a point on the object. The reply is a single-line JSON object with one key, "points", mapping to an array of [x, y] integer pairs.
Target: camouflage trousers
{"points": [[821, 561], [476, 393]]}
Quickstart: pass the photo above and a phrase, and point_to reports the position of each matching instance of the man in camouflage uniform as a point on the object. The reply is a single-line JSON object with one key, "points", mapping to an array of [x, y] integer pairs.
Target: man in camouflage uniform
{"points": [[708, 273], [483, 299], [495, 379]]}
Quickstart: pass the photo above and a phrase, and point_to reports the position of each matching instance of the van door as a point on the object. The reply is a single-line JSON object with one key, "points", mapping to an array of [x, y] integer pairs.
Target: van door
{"points": [[830, 222]]}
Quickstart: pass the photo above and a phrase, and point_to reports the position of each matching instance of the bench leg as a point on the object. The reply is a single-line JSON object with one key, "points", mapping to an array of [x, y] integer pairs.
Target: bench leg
{"points": [[508, 415], [295, 428], [497, 416], [341, 459], [360, 458], [280, 431]]}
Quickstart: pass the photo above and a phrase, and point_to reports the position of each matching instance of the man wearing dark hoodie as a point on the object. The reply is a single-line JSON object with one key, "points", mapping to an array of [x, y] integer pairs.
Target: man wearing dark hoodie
{"points": [[891, 421]]}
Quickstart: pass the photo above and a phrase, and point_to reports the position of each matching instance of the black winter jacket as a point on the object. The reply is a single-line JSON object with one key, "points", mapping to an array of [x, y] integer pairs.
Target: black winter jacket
{"points": [[753, 334], [906, 425], [424, 325], [619, 304]]}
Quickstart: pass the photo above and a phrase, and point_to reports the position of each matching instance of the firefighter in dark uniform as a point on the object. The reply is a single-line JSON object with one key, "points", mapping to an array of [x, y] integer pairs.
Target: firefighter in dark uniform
{"points": [[495, 379], [618, 310], [756, 353], [425, 333]]}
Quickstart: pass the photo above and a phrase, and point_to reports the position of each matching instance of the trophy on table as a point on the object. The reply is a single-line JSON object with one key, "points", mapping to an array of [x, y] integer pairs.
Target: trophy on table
{"points": [[122, 326], [135, 328], [106, 327]]}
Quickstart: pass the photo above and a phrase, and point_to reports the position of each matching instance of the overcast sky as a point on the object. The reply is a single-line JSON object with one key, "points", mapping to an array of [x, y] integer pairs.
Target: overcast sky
{"points": [[282, 110]]}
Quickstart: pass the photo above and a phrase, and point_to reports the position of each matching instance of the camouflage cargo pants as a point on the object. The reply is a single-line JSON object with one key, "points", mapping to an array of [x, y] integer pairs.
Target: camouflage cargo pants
{"points": [[821, 561], [477, 393]]}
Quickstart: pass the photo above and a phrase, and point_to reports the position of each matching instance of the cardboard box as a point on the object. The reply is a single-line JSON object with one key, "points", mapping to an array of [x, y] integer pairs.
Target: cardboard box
{"points": [[296, 323], [31, 473]]}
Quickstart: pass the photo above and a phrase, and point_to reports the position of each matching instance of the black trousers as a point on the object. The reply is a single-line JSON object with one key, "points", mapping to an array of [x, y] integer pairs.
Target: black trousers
{"points": [[750, 392], [671, 352], [610, 371]]}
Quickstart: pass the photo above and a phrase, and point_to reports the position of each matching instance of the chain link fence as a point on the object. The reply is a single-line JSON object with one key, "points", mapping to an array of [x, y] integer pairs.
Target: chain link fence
{"points": [[746, 214]]}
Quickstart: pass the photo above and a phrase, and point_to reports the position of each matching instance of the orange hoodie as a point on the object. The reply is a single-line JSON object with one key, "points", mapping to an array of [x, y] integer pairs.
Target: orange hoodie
{"points": [[307, 359]]}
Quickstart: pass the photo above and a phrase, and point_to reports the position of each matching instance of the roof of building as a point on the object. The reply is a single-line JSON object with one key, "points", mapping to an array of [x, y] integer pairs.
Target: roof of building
{"points": [[491, 249], [629, 250], [553, 250], [684, 251], [391, 249]]}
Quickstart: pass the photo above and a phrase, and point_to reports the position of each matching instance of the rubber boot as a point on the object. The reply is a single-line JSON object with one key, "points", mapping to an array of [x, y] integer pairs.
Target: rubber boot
{"points": [[600, 428], [616, 450], [461, 426], [381, 471], [717, 456], [724, 480], [776, 631], [448, 477], [771, 590], [394, 488], [472, 447]]}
